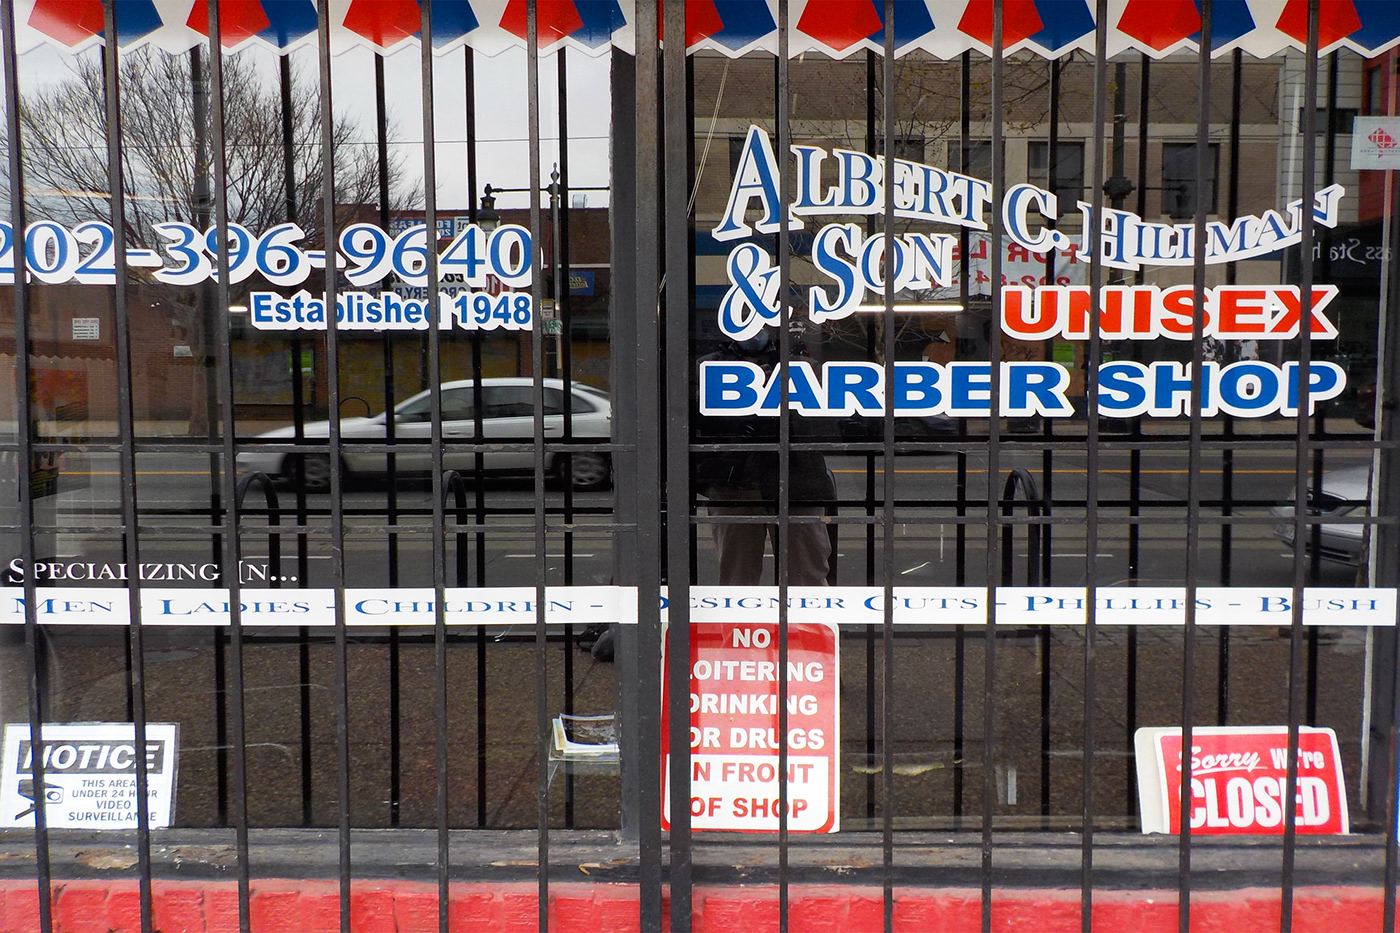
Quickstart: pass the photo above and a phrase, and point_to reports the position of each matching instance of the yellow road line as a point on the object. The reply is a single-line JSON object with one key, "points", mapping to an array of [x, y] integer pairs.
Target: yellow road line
{"points": [[138, 472]]}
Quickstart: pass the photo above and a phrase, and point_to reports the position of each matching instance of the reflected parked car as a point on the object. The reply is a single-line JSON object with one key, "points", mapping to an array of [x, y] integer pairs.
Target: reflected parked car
{"points": [[507, 416], [1341, 490]]}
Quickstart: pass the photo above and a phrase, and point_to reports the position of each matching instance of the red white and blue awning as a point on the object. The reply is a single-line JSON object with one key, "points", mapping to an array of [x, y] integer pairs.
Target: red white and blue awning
{"points": [[838, 28]]}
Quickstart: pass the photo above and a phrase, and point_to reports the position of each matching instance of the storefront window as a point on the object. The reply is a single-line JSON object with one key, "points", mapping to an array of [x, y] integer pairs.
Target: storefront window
{"points": [[424, 432]]}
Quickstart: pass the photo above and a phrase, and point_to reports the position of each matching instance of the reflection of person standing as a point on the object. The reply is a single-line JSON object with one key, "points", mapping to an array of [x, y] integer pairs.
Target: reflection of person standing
{"points": [[746, 482]]}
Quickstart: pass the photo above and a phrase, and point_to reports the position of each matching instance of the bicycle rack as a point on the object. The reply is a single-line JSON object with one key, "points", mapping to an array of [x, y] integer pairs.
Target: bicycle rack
{"points": [[1021, 490], [355, 398], [274, 518], [1021, 481], [453, 483]]}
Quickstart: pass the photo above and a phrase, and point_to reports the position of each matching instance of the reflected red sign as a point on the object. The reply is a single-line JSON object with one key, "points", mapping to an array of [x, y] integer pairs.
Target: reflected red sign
{"points": [[734, 733]]}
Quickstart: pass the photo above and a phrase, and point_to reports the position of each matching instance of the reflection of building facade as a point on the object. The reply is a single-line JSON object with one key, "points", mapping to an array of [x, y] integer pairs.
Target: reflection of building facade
{"points": [[1150, 146]]}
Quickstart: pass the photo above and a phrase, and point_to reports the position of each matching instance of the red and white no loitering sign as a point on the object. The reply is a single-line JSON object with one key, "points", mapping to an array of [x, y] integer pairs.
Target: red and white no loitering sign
{"points": [[734, 736], [1238, 780]]}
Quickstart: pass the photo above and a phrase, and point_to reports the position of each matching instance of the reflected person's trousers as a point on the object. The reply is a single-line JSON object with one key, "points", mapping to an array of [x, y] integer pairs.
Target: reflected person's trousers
{"points": [[740, 547]]}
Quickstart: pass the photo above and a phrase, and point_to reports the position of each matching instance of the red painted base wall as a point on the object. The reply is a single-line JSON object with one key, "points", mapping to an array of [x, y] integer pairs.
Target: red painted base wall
{"points": [[404, 907]]}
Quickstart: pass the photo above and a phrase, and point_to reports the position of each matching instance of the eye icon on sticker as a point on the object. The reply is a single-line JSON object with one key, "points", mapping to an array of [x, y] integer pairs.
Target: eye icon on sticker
{"points": [[53, 793]]}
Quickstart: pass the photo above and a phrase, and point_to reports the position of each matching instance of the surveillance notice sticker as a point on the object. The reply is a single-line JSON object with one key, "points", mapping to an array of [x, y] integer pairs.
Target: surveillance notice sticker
{"points": [[735, 734], [89, 775]]}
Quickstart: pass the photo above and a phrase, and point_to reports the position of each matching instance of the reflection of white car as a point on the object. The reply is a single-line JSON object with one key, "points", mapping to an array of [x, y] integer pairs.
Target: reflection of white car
{"points": [[507, 417], [1339, 542]]}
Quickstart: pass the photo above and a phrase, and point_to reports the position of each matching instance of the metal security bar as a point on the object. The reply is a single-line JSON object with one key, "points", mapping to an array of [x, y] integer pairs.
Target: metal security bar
{"points": [[430, 730]]}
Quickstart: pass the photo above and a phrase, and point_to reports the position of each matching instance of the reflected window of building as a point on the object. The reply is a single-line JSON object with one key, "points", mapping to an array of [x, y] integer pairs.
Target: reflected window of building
{"points": [[975, 158], [1068, 170], [1179, 180]]}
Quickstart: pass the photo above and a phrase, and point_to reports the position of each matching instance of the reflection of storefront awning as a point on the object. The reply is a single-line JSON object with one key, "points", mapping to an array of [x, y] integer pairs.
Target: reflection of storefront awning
{"points": [[942, 28]]}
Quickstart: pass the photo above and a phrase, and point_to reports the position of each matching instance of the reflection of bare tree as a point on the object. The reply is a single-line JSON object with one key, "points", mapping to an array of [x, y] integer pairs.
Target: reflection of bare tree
{"points": [[929, 101], [167, 162], [928, 116]]}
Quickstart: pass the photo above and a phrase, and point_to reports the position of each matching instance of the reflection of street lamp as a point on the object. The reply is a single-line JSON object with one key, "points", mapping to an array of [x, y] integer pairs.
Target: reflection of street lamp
{"points": [[487, 217], [1118, 188]]}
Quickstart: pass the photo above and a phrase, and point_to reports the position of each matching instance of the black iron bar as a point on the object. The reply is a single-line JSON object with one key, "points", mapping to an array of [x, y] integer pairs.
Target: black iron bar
{"points": [[871, 727], [1047, 456], [1091, 516], [960, 528], [24, 443], [782, 114], [1301, 529], [479, 479], [337, 485], [1384, 560], [1324, 268], [677, 174], [289, 182], [1193, 491], [647, 491], [126, 429], [391, 514], [1135, 456], [202, 203], [1227, 455], [563, 307], [993, 543], [542, 726], [439, 545], [1043, 572], [887, 532], [233, 551]]}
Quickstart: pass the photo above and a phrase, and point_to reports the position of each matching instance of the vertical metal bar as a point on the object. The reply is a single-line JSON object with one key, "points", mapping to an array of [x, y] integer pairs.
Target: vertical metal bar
{"points": [[871, 727], [1091, 517], [648, 467], [479, 478], [1135, 455], [678, 239], [1227, 458], [542, 727], [1040, 570], [289, 181], [342, 697], [391, 514], [126, 430], [1193, 483], [24, 455], [783, 115], [221, 720], [439, 542], [1296, 674], [1047, 455], [623, 323], [887, 540], [563, 307], [1387, 663], [960, 544], [202, 202], [1329, 175], [993, 542], [232, 556]]}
